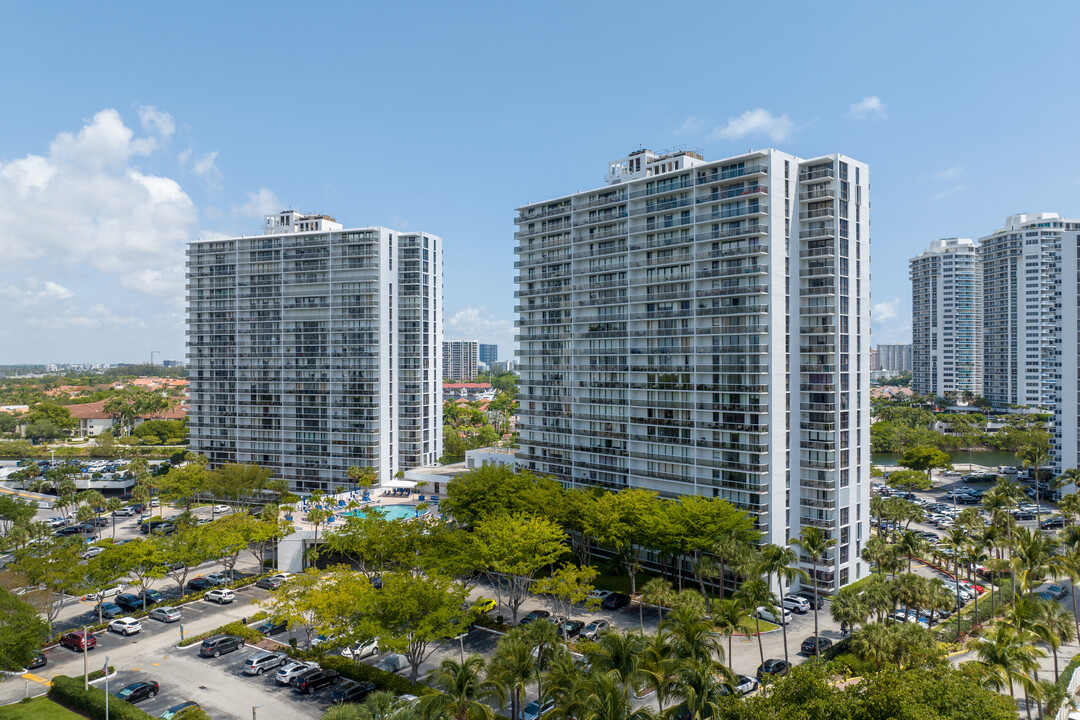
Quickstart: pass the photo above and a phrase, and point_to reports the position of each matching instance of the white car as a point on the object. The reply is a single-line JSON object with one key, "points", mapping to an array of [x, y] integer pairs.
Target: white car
{"points": [[167, 614], [222, 596], [599, 595], [92, 551], [796, 603], [281, 576], [155, 503], [778, 617], [287, 674], [125, 512], [222, 509], [361, 650], [125, 626]]}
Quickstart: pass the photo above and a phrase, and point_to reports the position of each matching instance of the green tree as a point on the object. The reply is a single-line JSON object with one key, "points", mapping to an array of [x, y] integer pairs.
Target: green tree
{"points": [[925, 459], [814, 543], [568, 586], [657, 592], [514, 669], [1034, 453], [21, 633], [783, 564], [731, 616], [462, 690], [514, 549], [185, 549], [375, 543], [55, 565], [909, 480], [755, 593], [1006, 657], [303, 603]]}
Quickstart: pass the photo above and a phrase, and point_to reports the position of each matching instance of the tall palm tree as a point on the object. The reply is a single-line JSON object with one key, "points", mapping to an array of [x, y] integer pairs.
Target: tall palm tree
{"points": [[705, 566], [782, 563], [1069, 565], [657, 591], [728, 550], [513, 668], [871, 644], [879, 553], [755, 593], [600, 696], [850, 609], [1053, 626], [619, 651], [1035, 452], [112, 505], [731, 616], [814, 542], [693, 637], [462, 688], [1033, 558], [1007, 656], [657, 665], [699, 684], [910, 545]]}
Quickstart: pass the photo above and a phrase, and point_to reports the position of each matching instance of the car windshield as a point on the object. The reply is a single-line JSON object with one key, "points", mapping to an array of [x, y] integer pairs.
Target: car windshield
{"points": [[126, 691]]}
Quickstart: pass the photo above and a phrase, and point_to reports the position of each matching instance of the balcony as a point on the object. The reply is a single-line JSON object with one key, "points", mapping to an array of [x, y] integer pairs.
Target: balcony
{"points": [[730, 272], [818, 522], [747, 170], [755, 208], [546, 212], [818, 213], [600, 201], [662, 187], [727, 193], [816, 174], [822, 193], [828, 231]]}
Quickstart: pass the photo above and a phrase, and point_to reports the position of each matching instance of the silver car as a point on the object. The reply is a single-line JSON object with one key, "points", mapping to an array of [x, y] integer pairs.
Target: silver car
{"points": [[290, 672], [165, 614], [260, 662]]}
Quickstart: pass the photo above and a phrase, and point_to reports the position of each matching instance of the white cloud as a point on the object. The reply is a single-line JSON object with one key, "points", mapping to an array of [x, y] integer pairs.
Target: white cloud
{"points": [[755, 122], [691, 125], [85, 205], [34, 292], [947, 193], [868, 106], [157, 121], [889, 322], [205, 167], [950, 173], [261, 202], [885, 311], [479, 324], [183, 156]]}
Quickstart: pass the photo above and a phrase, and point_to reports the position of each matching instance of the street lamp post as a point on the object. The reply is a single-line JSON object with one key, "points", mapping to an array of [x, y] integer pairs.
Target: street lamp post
{"points": [[85, 669]]}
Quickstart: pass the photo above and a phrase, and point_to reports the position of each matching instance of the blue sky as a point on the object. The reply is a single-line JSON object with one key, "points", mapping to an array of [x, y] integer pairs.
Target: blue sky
{"points": [[128, 129]]}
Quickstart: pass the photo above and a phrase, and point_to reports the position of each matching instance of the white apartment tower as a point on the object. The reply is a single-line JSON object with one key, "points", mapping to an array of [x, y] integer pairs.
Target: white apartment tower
{"points": [[896, 356], [313, 348], [702, 328], [1065, 448], [459, 359], [947, 319]]}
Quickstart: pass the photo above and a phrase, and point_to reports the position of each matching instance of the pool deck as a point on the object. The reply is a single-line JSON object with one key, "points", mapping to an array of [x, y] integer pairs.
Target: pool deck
{"points": [[353, 500]]}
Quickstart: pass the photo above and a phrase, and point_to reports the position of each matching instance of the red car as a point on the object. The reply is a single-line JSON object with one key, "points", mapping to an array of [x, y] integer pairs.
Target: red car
{"points": [[79, 641]]}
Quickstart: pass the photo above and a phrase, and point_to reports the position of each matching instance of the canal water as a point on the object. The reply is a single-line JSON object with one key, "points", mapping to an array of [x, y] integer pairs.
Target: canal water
{"points": [[960, 460]]}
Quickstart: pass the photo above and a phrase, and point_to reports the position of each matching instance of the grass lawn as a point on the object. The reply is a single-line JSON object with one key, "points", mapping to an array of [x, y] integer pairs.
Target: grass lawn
{"points": [[41, 708]]}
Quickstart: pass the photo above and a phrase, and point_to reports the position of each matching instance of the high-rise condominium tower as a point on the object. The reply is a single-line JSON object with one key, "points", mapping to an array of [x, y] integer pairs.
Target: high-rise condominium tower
{"points": [[314, 348], [894, 357], [701, 328], [1021, 280], [459, 359], [1065, 449], [489, 353], [947, 320]]}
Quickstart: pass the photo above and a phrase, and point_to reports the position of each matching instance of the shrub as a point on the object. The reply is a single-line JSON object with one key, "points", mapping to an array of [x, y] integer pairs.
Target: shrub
{"points": [[383, 680], [69, 692], [233, 628]]}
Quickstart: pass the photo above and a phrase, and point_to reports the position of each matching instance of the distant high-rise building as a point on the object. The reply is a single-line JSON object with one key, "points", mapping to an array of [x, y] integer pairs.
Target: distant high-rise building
{"points": [[1065, 434], [489, 353], [459, 359], [313, 348], [875, 362], [1021, 280], [946, 319], [702, 328], [895, 357]]}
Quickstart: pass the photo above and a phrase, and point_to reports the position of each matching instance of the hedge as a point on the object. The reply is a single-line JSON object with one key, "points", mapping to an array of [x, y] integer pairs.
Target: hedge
{"points": [[69, 692], [234, 628], [383, 680]]}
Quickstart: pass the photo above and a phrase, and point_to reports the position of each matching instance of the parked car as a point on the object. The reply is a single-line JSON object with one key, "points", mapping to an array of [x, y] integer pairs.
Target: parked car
{"points": [[361, 650], [269, 583], [744, 685], [353, 692], [39, 660], [218, 644], [392, 663], [1057, 591], [484, 605], [1054, 521], [167, 614], [808, 596], [615, 601], [92, 551], [313, 680], [199, 583], [78, 640], [218, 509], [796, 604], [126, 512], [260, 662], [125, 626], [814, 645], [137, 691], [222, 596], [778, 616], [287, 673], [219, 578], [176, 709], [772, 668], [128, 601], [951, 473], [108, 610], [570, 628], [594, 629], [534, 616], [153, 597], [535, 711], [272, 627], [1021, 514], [599, 595]]}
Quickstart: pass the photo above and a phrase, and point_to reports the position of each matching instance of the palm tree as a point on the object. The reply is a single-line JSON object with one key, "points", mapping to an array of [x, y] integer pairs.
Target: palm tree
{"points": [[755, 593], [513, 668], [1069, 565], [910, 545], [461, 687], [317, 516], [600, 696], [1034, 453], [619, 651], [871, 644], [706, 567], [728, 550], [879, 553], [850, 609], [701, 691], [783, 563], [112, 505], [1053, 627], [693, 637], [657, 664], [731, 616], [814, 541], [1033, 557], [657, 592], [1007, 656]]}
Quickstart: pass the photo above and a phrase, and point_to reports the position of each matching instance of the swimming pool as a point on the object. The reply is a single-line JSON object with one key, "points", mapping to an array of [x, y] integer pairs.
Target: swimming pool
{"points": [[392, 512]]}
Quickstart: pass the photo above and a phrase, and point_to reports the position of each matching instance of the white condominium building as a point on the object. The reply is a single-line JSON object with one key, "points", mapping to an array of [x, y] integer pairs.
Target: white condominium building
{"points": [[1021, 278], [313, 348], [702, 328], [946, 317], [893, 357], [459, 359], [1065, 449]]}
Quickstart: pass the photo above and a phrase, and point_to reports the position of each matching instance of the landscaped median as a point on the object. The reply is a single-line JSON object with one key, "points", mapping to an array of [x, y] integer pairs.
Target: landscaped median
{"points": [[69, 692], [237, 628]]}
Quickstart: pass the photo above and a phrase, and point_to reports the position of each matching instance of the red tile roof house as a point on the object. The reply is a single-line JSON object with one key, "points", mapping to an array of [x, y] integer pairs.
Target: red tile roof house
{"points": [[93, 420]]}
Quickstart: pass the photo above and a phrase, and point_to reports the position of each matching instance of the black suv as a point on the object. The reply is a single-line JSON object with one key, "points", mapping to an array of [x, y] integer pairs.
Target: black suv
{"points": [[772, 668], [312, 680], [815, 644], [272, 627], [135, 692], [214, 646], [353, 692], [809, 597], [534, 616], [129, 602], [614, 601]]}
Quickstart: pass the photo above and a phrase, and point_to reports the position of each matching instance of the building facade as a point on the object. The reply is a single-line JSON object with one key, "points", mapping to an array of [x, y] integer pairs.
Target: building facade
{"points": [[895, 357], [1065, 434], [313, 348], [946, 319], [489, 353], [700, 327], [459, 359]]}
